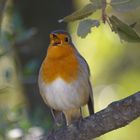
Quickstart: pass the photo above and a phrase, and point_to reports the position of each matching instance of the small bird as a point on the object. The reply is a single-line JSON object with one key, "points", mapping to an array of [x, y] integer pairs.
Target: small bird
{"points": [[64, 78]]}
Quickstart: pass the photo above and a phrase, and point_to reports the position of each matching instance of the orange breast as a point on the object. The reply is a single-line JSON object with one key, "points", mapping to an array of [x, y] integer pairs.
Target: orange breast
{"points": [[60, 62]]}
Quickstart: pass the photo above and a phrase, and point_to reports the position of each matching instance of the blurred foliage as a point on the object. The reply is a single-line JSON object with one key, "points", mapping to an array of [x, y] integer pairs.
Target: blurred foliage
{"points": [[13, 111], [125, 32], [20, 117], [114, 65], [115, 73], [124, 5], [83, 12]]}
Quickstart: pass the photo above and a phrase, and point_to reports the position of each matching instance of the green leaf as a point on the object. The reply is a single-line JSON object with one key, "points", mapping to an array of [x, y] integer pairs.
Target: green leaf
{"points": [[85, 27], [81, 13], [125, 5], [125, 32], [5, 52], [133, 25], [97, 3]]}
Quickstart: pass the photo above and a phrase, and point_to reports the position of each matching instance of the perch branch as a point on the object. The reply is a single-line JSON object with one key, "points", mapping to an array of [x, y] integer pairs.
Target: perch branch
{"points": [[116, 115]]}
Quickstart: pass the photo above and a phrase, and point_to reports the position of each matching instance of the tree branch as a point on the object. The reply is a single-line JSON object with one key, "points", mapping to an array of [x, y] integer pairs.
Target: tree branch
{"points": [[116, 115]]}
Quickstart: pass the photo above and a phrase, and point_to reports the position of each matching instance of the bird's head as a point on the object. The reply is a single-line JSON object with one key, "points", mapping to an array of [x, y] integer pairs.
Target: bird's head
{"points": [[60, 45], [60, 38]]}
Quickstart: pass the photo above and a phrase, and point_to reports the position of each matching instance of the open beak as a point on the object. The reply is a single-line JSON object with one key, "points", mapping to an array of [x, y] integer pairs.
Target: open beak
{"points": [[57, 41]]}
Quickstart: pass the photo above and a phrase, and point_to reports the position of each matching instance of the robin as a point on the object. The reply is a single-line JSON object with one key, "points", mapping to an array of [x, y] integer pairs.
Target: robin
{"points": [[64, 78]]}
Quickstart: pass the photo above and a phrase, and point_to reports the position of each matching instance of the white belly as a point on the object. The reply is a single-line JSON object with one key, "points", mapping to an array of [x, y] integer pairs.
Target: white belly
{"points": [[60, 95]]}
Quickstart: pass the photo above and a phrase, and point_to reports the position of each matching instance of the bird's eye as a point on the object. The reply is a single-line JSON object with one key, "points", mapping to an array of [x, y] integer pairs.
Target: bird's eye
{"points": [[66, 39]]}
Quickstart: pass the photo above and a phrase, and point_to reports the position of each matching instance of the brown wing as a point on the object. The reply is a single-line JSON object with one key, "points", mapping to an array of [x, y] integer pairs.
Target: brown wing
{"points": [[86, 70]]}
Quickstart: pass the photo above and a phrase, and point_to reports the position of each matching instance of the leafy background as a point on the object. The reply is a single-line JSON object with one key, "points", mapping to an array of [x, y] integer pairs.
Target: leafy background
{"points": [[106, 34], [113, 57]]}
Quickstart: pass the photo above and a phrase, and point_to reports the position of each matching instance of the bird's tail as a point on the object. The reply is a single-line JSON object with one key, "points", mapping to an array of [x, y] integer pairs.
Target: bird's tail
{"points": [[90, 106]]}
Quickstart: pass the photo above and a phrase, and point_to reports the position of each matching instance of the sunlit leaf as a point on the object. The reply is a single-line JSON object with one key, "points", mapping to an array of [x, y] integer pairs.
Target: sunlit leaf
{"points": [[125, 5], [82, 13], [98, 3], [85, 27], [125, 32]]}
